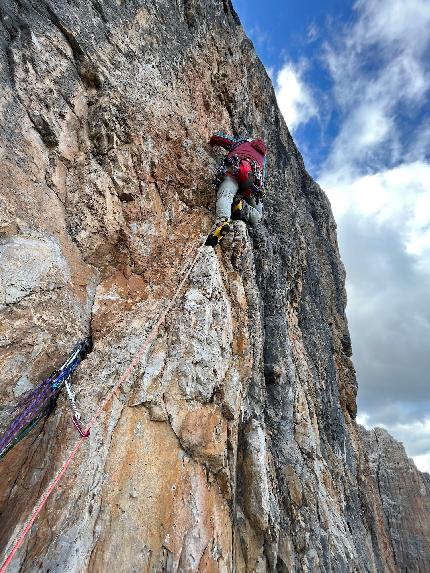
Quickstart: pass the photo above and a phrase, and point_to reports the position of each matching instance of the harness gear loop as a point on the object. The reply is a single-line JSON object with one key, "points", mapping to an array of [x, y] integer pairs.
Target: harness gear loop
{"points": [[233, 167]]}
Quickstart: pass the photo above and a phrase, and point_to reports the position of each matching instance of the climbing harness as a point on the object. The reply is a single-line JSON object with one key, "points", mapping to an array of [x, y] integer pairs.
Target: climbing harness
{"points": [[231, 166], [125, 376], [41, 401]]}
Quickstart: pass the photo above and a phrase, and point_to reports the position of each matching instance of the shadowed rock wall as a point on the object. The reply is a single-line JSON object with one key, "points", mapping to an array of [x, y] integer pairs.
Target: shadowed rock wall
{"points": [[233, 446]]}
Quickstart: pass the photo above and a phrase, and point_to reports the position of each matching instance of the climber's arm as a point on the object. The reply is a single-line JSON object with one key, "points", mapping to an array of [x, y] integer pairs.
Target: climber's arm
{"points": [[223, 140]]}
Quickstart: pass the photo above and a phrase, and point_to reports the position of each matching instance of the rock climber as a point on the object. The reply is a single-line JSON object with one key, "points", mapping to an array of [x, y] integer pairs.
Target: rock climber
{"points": [[240, 180]]}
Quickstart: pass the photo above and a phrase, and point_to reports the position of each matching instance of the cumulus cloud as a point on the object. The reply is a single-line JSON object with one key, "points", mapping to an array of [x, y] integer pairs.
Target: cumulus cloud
{"points": [[389, 318], [379, 71], [377, 176], [388, 22], [422, 462], [398, 198], [295, 99], [312, 32]]}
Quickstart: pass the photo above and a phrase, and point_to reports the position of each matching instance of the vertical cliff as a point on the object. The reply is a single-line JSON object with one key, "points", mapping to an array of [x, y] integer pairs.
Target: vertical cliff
{"points": [[404, 494], [233, 446]]}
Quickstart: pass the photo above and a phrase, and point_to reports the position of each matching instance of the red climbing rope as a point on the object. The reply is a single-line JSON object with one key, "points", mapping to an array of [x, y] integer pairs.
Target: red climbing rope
{"points": [[85, 433], [40, 505]]}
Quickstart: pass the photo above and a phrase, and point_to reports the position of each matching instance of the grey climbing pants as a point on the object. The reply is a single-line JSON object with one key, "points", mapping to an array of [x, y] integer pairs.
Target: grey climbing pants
{"points": [[251, 212]]}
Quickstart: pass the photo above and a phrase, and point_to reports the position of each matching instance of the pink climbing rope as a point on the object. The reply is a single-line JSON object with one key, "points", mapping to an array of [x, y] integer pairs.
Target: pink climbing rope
{"points": [[85, 433], [40, 505]]}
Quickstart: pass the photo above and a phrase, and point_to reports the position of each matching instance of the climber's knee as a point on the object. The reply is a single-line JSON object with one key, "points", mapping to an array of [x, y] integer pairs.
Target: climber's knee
{"points": [[255, 217], [251, 214]]}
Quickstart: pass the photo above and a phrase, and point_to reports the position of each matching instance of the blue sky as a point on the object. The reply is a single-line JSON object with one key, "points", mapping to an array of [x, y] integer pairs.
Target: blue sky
{"points": [[296, 31], [353, 83]]}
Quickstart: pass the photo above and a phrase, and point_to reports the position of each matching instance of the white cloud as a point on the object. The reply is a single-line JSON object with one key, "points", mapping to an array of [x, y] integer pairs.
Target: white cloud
{"points": [[388, 22], [416, 435], [312, 32], [419, 148], [377, 176], [397, 197], [422, 462], [363, 420], [380, 71], [295, 99]]}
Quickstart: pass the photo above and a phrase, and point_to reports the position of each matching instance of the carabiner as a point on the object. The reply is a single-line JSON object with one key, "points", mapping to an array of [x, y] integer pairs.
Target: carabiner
{"points": [[77, 424]]}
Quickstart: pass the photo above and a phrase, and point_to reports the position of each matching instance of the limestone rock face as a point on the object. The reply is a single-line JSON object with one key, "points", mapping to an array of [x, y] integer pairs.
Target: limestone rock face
{"points": [[232, 445], [405, 499]]}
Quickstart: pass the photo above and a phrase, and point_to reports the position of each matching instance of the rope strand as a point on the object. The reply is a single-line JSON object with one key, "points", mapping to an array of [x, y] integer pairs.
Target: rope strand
{"points": [[150, 337]]}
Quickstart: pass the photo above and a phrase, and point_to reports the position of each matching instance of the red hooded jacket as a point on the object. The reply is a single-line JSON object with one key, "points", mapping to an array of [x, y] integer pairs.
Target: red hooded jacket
{"points": [[254, 150]]}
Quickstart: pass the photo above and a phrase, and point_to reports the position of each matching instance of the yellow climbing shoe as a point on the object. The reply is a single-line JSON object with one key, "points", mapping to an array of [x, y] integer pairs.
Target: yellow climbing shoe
{"points": [[236, 210], [215, 236]]}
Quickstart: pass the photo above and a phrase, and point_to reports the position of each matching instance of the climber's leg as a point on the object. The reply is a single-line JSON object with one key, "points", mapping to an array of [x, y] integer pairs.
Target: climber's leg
{"points": [[226, 192], [252, 212]]}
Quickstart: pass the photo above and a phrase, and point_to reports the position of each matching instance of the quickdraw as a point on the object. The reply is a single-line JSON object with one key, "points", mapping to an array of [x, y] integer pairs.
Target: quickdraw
{"points": [[76, 415], [41, 401]]}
